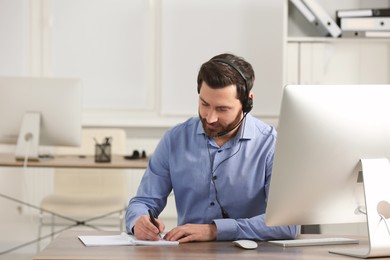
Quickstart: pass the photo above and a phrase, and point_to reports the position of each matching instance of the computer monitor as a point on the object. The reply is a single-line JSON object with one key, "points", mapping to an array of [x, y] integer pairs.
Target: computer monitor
{"points": [[324, 133], [39, 111]]}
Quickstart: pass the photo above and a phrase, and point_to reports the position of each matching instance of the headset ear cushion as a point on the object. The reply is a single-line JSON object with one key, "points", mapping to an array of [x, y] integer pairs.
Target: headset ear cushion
{"points": [[249, 105]]}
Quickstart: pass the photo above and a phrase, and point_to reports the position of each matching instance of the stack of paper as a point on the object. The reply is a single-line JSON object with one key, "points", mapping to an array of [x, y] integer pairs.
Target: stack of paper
{"points": [[122, 240]]}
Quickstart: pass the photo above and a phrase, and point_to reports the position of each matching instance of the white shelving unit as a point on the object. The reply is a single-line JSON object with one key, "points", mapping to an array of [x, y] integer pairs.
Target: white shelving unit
{"points": [[312, 59]]}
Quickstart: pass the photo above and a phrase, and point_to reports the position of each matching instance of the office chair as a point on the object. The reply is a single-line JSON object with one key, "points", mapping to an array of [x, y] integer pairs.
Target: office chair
{"points": [[86, 196]]}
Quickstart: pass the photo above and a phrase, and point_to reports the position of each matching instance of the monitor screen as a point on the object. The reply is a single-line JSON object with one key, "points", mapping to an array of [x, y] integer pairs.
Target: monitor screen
{"points": [[39, 111], [323, 132]]}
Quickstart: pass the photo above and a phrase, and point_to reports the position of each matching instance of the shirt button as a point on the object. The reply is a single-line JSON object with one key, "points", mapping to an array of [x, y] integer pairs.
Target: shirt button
{"points": [[212, 204], [219, 151], [214, 178]]}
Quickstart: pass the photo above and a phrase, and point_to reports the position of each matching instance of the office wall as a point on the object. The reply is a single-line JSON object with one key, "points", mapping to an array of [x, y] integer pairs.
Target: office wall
{"points": [[139, 59]]}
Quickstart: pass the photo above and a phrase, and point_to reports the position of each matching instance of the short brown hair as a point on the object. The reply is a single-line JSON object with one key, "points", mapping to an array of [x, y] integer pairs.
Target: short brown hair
{"points": [[221, 71]]}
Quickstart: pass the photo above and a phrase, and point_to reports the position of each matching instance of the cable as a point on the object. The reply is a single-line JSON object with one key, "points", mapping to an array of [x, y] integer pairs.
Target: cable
{"points": [[28, 139], [223, 212], [384, 219]]}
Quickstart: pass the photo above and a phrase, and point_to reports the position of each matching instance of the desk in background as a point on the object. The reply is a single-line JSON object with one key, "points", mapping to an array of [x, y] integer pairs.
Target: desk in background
{"points": [[68, 246], [65, 161], [74, 161]]}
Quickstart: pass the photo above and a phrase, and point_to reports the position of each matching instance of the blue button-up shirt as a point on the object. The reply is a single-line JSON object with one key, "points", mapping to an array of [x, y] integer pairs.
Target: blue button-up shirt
{"points": [[205, 178]]}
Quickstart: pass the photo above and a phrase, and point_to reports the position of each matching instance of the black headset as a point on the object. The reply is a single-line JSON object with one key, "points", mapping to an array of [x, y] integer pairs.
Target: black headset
{"points": [[247, 102]]}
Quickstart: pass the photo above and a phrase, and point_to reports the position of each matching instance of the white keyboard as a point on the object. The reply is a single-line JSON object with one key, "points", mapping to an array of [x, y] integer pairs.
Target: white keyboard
{"points": [[315, 241]]}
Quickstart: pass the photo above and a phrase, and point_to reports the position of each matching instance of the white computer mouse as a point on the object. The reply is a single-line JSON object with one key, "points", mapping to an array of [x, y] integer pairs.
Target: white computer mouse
{"points": [[246, 244]]}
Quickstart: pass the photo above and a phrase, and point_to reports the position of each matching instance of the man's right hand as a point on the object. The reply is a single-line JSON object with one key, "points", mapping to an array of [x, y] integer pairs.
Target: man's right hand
{"points": [[145, 230]]}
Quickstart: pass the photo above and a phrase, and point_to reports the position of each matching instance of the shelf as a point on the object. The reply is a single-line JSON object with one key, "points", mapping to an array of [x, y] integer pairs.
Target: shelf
{"points": [[336, 40], [133, 121]]}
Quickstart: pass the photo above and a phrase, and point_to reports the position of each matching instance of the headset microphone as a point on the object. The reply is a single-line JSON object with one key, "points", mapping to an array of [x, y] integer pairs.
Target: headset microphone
{"points": [[231, 129]]}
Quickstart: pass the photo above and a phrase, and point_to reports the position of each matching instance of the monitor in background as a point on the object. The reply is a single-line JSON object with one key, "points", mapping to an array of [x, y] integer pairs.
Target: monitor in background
{"points": [[324, 133], [39, 111]]}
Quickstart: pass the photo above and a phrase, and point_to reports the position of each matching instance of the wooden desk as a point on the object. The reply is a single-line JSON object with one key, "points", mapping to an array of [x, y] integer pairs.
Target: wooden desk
{"points": [[68, 246], [74, 161]]}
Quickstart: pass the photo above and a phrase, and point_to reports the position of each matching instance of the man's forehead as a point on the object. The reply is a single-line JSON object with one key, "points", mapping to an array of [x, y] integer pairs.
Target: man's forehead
{"points": [[222, 97]]}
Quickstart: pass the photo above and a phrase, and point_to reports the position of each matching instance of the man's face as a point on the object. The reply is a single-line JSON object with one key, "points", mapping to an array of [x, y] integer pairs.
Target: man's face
{"points": [[219, 109]]}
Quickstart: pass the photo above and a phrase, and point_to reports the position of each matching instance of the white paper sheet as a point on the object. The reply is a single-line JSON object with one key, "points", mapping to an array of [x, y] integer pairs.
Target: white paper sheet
{"points": [[122, 240]]}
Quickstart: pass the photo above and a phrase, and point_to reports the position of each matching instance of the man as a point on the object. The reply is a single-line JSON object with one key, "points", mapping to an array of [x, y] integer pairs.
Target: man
{"points": [[218, 165]]}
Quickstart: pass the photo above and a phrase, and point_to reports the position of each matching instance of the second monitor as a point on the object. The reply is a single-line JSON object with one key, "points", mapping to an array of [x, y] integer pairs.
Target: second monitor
{"points": [[39, 111]]}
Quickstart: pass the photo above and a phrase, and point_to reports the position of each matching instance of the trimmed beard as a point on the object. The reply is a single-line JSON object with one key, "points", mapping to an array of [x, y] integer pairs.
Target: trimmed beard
{"points": [[220, 129]]}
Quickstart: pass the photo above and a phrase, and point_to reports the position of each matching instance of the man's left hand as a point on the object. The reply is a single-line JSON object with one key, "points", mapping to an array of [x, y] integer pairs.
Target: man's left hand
{"points": [[192, 232]]}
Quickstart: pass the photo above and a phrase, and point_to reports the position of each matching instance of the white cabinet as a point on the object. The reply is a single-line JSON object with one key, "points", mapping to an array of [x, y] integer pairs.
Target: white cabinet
{"points": [[338, 62]]}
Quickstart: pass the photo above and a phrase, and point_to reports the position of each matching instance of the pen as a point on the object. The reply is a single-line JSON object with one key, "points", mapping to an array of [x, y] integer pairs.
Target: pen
{"points": [[153, 220]]}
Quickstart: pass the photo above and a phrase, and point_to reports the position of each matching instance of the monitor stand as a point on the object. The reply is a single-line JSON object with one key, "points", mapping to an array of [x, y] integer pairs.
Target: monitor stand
{"points": [[376, 180], [28, 139]]}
